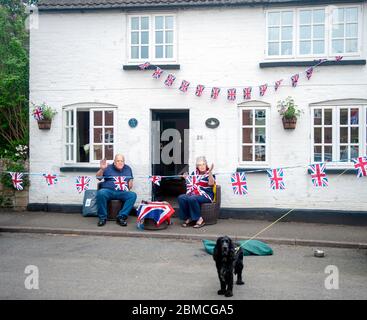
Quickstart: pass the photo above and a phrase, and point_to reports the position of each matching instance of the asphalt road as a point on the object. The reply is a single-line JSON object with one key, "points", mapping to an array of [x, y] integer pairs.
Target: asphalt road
{"points": [[86, 267]]}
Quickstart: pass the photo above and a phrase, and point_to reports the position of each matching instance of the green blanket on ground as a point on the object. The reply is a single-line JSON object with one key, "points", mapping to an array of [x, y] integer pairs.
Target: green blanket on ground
{"points": [[251, 247]]}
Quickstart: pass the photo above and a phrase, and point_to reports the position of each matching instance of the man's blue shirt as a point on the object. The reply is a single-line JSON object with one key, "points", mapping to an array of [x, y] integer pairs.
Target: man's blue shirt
{"points": [[111, 171]]}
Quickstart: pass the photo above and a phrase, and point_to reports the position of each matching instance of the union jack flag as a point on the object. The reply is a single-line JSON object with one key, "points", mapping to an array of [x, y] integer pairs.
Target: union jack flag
{"points": [[277, 84], [239, 183], [195, 185], [120, 183], [338, 58], [361, 165], [38, 113], [82, 183], [170, 79], [155, 179], [158, 211], [144, 66], [184, 86], [319, 61], [263, 89], [247, 93], [51, 179], [318, 175], [295, 79], [309, 73], [199, 90], [17, 179], [276, 179], [157, 73], [215, 93], [231, 94]]}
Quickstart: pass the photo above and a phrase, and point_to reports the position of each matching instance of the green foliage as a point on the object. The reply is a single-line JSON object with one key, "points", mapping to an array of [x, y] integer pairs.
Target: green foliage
{"points": [[288, 109], [14, 75]]}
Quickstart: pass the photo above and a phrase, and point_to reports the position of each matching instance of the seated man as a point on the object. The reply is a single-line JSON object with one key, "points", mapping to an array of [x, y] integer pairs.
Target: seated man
{"points": [[108, 189]]}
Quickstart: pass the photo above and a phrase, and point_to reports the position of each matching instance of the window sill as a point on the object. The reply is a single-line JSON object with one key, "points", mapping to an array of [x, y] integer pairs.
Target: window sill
{"points": [[252, 170], [338, 171], [308, 63], [78, 169], [127, 67]]}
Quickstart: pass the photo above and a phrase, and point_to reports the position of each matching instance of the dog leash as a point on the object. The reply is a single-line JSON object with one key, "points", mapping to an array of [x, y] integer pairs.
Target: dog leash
{"points": [[276, 221]]}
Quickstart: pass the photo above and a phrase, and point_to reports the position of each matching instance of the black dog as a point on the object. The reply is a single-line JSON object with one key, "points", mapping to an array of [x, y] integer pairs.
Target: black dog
{"points": [[228, 260]]}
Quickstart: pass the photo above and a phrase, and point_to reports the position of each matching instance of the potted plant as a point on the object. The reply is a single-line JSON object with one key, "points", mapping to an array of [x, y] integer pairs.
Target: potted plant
{"points": [[43, 114], [290, 113]]}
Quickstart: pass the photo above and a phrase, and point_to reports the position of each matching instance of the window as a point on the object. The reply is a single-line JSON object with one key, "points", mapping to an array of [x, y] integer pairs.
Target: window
{"points": [[280, 33], [312, 32], [337, 133], [345, 30], [139, 38], [321, 31], [253, 135], [89, 134], [152, 37]]}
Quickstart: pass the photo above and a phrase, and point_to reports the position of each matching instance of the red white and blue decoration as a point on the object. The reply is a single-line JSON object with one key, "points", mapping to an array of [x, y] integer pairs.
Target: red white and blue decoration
{"points": [[318, 175], [215, 93], [239, 183], [157, 211], [231, 94], [309, 73], [196, 184], [155, 179], [276, 179], [184, 86], [144, 66], [120, 183], [262, 89], [157, 73], [82, 183], [51, 179], [199, 90], [38, 113], [361, 165], [295, 79], [170, 79], [247, 93], [17, 180], [277, 84]]}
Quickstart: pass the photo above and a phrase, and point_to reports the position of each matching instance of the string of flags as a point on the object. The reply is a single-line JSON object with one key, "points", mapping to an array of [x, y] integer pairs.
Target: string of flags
{"points": [[232, 93], [194, 183]]}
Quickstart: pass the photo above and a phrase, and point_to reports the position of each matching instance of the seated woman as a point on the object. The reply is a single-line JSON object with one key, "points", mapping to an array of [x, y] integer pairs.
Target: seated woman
{"points": [[199, 190]]}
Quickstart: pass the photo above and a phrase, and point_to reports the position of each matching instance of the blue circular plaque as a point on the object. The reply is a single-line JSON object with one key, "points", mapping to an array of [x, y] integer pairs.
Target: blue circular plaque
{"points": [[133, 122]]}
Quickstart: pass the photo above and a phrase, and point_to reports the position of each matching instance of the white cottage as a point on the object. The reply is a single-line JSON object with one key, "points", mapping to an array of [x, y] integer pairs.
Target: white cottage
{"points": [[84, 57]]}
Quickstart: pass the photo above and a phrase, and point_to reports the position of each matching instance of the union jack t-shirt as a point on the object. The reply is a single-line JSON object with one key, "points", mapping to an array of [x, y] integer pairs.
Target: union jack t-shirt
{"points": [[199, 185]]}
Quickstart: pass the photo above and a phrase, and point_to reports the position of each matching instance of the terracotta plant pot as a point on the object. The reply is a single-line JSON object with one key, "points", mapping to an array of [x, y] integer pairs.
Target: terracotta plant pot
{"points": [[289, 123], [44, 124]]}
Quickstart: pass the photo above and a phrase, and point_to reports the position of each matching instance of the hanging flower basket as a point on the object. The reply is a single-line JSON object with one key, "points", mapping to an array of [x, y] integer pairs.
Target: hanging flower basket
{"points": [[290, 112], [44, 124], [289, 123]]}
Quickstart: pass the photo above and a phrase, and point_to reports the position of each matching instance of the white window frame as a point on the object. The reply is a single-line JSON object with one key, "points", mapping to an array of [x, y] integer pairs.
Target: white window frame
{"points": [[336, 133], [298, 34], [267, 135], [328, 32], [360, 23], [152, 40], [280, 35], [139, 45], [90, 109]]}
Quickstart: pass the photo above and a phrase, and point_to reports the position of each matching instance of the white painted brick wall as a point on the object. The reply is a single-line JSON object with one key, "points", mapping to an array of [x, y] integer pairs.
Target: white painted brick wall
{"points": [[78, 58]]}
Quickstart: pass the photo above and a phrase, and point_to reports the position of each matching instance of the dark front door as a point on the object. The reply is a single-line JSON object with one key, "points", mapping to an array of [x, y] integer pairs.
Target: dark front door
{"points": [[169, 151]]}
